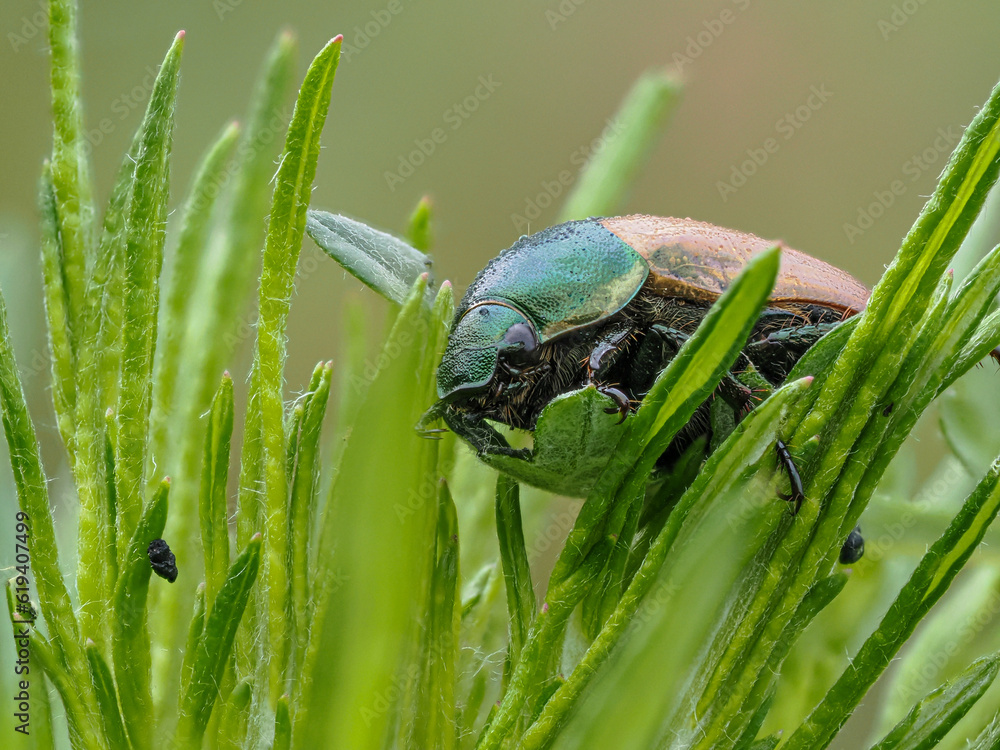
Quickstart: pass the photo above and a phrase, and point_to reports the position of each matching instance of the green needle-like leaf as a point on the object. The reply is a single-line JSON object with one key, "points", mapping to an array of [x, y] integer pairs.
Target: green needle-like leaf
{"points": [[373, 555], [185, 272], [282, 725], [419, 232], [84, 732], [196, 631], [516, 572], [719, 481], [70, 168], [146, 215], [33, 500], [929, 581], [107, 698], [235, 719], [215, 645], [265, 421], [57, 312], [989, 738], [130, 642], [685, 384], [435, 695], [212, 506], [302, 509], [930, 720]]}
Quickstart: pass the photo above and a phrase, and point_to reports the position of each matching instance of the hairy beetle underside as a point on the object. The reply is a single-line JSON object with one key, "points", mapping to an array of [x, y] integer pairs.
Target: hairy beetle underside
{"points": [[632, 348]]}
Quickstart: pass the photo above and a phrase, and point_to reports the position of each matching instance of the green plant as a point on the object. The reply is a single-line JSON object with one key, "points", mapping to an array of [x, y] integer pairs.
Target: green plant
{"points": [[691, 612]]}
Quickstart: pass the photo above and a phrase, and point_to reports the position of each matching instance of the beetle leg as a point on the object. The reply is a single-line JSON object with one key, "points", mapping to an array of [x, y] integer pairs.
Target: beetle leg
{"points": [[607, 348], [797, 495], [481, 435], [651, 359], [735, 393], [777, 352]]}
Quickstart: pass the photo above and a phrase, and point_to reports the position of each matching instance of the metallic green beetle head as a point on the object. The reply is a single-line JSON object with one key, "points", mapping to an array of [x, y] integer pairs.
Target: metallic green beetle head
{"points": [[475, 344]]}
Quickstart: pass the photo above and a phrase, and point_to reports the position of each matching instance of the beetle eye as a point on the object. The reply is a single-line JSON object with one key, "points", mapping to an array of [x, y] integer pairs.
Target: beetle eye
{"points": [[521, 333]]}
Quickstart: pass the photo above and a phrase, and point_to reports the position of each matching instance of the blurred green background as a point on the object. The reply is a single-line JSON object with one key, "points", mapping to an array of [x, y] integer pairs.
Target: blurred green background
{"points": [[897, 82]]}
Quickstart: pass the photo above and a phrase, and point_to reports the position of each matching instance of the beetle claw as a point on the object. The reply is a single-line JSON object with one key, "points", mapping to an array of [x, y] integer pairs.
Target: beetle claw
{"points": [[619, 398]]}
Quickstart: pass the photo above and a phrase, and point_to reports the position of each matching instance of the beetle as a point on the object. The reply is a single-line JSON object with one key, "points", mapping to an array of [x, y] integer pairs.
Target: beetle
{"points": [[608, 302]]}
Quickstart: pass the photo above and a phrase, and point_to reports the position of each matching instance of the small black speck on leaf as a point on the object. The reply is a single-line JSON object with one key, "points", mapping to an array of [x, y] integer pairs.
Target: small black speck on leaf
{"points": [[162, 559]]}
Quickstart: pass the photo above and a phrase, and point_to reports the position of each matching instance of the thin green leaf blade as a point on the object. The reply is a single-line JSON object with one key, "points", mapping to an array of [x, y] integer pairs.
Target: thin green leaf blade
{"points": [[215, 645], [718, 481], [212, 507], [385, 263], [926, 585], [293, 185], [70, 167], [33, 500], [57, 312], [932, 718], [303, 507], [146, 215], [185, 272], [421, 221], [372, 558], [107, 698], [85, 729], [130, 645], [514, 560], [282, 725], [689, 379]]}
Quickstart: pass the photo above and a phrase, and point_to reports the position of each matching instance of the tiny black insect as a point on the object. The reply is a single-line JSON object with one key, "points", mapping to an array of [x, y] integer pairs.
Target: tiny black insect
{"points": [[888, 409], [162, 559], [854, 548], [797, 494]]}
